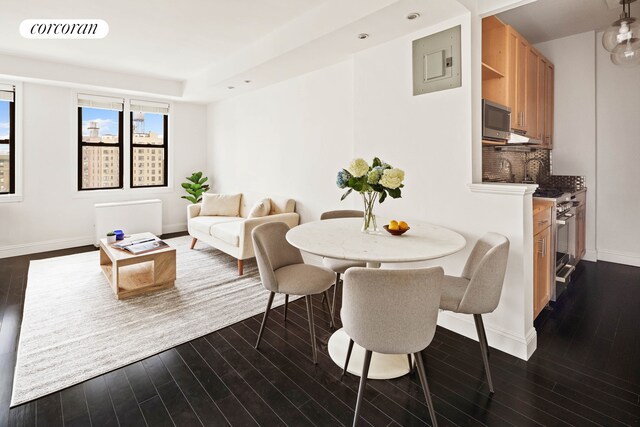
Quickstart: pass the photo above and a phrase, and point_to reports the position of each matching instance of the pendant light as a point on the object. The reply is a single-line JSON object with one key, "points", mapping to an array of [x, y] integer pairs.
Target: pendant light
{"points": [[622, 38]]}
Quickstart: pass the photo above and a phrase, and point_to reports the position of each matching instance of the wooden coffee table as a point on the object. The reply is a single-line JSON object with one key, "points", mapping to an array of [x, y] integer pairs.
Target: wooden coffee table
{"points": [[131, 275]]}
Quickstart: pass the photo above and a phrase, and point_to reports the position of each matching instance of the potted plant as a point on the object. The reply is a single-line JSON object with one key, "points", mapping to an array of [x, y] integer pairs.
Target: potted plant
{"points": [[111, 237], [195, 187], [374, 183]]}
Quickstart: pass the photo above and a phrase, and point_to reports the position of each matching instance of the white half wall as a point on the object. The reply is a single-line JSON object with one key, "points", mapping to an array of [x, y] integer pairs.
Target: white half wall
{"points": [[291, 139], [53, 214], [574, 134]]}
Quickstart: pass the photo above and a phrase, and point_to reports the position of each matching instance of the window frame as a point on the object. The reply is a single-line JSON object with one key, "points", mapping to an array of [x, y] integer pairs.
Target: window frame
{"points": [[12, 148], [164, 146], [120, 147]]}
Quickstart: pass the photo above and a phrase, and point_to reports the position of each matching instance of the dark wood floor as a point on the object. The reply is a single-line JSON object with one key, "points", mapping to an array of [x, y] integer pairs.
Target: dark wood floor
{"points": [[585, 372]]}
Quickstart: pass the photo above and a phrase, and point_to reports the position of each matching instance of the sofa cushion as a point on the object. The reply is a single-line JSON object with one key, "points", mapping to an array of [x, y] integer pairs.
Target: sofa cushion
{"points": [[260, 208], [228, 232], [203, 224], [220, 204], [282, 205]]}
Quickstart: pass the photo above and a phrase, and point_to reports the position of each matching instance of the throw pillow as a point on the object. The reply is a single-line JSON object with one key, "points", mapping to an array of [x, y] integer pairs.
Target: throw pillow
{"points": [[220, 204], [260, 208]]}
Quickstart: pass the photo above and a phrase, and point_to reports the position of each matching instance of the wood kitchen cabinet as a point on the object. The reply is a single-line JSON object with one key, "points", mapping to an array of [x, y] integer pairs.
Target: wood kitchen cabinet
{"points": [[515, 74], [543, 256]]}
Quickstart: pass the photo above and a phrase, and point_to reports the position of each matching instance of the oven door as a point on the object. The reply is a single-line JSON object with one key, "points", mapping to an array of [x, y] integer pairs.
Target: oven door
{"points": [[564, 246]]}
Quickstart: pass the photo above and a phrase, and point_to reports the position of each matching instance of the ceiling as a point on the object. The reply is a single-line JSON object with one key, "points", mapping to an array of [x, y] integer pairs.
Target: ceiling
{"points": [[163, 38], [545, 20]]}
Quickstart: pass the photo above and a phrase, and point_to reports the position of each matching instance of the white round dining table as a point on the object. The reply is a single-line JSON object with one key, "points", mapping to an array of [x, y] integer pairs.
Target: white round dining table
{"points": [[341, 238]]}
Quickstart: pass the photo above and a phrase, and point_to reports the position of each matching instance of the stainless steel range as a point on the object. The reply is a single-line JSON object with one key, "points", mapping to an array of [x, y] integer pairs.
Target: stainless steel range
{"points": [[564, 232]]}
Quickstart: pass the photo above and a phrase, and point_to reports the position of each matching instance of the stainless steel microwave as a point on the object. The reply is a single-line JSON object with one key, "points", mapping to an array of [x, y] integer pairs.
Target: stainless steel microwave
{"points": [[496, 121]]}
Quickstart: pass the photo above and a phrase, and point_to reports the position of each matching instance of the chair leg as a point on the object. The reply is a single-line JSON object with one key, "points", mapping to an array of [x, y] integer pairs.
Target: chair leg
{"points": [[326, 294], [484, 348], [422, 373], [193, 242], [363, 383], [264, 319], [286, 306], [312, 329], [410, 363], [240, 267], [346, 362], [333, 303]]}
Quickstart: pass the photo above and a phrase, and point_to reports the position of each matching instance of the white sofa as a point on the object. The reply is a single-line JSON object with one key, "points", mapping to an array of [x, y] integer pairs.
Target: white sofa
{"points": [[232, 234]]}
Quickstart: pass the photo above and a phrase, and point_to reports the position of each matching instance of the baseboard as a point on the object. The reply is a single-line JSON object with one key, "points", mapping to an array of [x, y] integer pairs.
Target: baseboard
{"points": [[519, 346], [44, 246], [55, 244], [174, 228], [590, 255], [619, 257]]}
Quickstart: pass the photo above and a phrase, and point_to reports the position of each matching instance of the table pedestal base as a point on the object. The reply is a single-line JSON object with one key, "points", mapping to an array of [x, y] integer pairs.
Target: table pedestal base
{"points": [[383, 366]]}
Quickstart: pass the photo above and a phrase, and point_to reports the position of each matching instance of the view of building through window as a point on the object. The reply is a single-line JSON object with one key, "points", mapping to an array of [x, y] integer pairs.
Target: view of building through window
{"points": [[148, 149], [100, 148], [5, 147]]}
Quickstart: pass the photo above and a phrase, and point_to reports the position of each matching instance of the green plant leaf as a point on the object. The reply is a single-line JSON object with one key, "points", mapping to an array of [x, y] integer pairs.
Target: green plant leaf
{"points": [[376, 162], [383, 195], [395, 192], [344, 196], [203, 180]]}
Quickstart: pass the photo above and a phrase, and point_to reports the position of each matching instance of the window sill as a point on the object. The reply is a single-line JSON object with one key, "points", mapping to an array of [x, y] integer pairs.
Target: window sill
{"points": [[10, 198], [94, 194]]}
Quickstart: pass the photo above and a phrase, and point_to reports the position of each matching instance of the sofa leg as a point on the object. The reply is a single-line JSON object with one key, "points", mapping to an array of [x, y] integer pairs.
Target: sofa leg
{"points": [[240, 267], [193, 243]]}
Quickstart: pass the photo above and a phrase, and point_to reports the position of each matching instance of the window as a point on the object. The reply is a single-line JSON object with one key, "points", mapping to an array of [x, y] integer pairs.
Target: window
{"points": [[149, 135], [7, 139], [99, 142]]}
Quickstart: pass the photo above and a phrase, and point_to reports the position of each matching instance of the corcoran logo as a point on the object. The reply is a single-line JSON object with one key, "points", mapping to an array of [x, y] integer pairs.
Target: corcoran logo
{"points": [[64, 29]]}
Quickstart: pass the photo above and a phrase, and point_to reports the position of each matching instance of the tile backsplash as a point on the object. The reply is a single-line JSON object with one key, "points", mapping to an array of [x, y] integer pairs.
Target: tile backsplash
{"points": [[506, 164]]}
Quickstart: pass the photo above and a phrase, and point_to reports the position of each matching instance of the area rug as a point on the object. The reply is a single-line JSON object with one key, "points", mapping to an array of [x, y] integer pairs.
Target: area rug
{"points": [[74, 328]]}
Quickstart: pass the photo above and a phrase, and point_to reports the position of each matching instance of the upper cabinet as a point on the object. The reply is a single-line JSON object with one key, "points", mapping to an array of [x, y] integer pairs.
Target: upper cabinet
{"points": [[515, 74]]}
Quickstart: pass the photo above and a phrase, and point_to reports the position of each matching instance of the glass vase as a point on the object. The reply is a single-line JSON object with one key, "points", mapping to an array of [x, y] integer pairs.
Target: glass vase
{"points": [[369, 224]]}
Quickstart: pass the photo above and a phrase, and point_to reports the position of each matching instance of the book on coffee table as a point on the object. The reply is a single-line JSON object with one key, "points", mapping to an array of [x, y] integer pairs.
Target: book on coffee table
{"points": [[140, 248]]}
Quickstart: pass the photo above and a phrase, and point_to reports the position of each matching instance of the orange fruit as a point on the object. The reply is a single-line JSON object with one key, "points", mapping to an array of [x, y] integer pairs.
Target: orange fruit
{"points": [[403, 225], [393, 225]]}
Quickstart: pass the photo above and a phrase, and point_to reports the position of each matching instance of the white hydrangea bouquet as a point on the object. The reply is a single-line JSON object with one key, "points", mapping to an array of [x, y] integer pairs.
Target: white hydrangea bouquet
{"points": [[374, 182]]}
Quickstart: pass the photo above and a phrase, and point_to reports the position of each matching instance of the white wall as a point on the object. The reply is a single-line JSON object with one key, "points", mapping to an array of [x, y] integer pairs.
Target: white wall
{"points": [[596, 135], [288, 139], [53, 214], [574, 135], [292, 137], [618, 148]]}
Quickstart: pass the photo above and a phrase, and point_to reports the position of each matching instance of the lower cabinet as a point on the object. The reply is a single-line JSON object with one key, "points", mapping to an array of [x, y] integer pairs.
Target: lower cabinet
{"points": [[543, 257], [541, 270]]}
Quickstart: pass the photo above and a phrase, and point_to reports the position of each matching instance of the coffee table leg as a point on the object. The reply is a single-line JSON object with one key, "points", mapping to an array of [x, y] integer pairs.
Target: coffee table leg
{"points": [[164, 268]]}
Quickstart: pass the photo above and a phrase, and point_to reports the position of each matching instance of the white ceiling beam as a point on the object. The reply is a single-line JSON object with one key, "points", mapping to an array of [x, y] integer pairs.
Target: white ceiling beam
{"points": [[55, 73]]}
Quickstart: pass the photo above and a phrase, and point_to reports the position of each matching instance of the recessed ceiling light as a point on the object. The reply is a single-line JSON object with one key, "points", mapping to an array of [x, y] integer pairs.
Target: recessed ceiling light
{"points": [[363, 36], [413, 15], [247, 81], [231, 87]]}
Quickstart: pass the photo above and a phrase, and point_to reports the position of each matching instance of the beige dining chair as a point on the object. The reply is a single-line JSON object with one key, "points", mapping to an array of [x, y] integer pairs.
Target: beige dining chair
{"points": [[282, 270], [479, 288], [391, 312], [339, 266]]}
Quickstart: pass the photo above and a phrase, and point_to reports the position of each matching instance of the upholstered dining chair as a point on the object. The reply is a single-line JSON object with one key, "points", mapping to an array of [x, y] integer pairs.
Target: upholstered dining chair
{"points": [[391, 312], [479, 288], [282, 270], [339, 266]]}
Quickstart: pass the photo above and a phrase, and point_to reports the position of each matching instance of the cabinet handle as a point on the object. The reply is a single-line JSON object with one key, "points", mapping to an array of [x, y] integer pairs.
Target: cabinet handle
{"points": [[542, 222], [521, 120], [544, 247]]}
